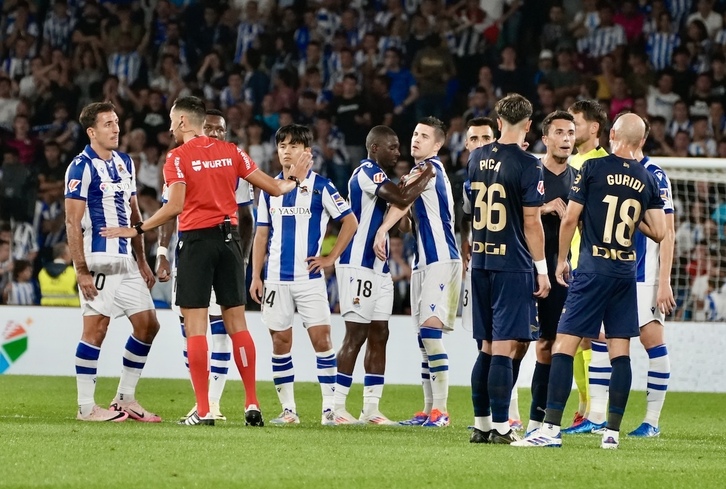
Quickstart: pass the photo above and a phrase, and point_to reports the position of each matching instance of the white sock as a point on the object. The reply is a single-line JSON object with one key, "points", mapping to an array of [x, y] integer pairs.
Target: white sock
{"points": [[438, 362], [86, 369], [425, 378], [533, 425], [134, 360], [327, 366], [514, 405], [502, 428], [219, 361], [283, 375], [599, 382], [342, 388], [548, 429], [372, 392], [659, 372], [483, 423]]}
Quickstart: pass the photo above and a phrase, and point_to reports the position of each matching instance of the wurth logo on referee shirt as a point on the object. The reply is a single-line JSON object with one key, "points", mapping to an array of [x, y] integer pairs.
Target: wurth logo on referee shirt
{"points": [[197, 165]]}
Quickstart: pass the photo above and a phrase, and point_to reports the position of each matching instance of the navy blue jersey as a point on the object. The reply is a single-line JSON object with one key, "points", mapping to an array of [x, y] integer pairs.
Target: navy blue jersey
{"points": [[615, 193], [504, 179], [556, 186]]}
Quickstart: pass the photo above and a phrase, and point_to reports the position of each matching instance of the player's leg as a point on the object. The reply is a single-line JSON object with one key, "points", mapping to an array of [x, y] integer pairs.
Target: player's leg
{"points": [[482, 331], [420, 417], [277, 314], [580, 374], [515, 421], [356, 334], [599, 373], [312, 304], [221, 354], [195, 325]]}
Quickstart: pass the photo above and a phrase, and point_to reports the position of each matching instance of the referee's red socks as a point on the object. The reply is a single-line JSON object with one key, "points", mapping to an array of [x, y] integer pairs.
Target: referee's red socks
{"points": [[245, 356], [198, 357]]}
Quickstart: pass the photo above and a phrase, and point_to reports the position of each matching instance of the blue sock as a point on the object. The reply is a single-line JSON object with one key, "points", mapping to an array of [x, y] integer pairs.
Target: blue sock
{"points": [[184, 335], [620, 382], [479, 387], [500, 388], [516, 364], [559, 387], [540, 379]]}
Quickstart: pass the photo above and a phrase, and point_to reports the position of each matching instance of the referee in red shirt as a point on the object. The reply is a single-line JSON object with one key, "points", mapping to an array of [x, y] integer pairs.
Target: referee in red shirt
{"points": [[201, 176]]}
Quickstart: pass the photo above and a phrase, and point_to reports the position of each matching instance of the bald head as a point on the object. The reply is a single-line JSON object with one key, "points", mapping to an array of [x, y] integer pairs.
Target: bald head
{"points": [[629, 129]]}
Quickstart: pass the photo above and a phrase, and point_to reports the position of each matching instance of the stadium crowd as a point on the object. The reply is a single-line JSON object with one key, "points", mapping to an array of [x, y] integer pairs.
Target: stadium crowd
{"points": [[342, 68]]}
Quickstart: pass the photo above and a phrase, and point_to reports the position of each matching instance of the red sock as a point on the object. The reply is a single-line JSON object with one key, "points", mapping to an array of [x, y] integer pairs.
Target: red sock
{"points": [[198, 356], [245, 356]]}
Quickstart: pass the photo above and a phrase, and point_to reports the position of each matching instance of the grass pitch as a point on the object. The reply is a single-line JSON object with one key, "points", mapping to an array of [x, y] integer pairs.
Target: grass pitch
{"points": [[42, 445]]}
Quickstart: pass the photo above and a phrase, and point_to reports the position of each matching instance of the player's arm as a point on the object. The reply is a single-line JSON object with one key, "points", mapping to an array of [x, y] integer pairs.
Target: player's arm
{"points": [[75, 209], [567, 231], [664, 299], [534, 236], [259, 252], [347, 230], [163, 267], [167, 212], [137, 243], [653, 224], [393, 215], [465, 228], [275, 186], [246, 228], [405, 195]]}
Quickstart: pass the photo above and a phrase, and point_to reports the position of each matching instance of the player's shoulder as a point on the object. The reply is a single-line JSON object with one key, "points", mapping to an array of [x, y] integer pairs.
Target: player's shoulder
{"points": [[125, 157]]}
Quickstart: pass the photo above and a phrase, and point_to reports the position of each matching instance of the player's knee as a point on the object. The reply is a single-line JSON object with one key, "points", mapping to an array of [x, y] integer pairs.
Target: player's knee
{"points": [[651, 335], [378, 334]]}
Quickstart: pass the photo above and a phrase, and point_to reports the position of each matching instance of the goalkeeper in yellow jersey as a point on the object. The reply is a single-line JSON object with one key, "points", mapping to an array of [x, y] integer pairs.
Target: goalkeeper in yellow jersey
{"points": [[590, 122]]}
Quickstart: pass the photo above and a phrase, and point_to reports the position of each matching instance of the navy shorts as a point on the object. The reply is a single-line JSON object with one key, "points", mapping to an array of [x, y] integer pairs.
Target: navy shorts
{"points": [[598, 299], [503, 306], [550, 310]]}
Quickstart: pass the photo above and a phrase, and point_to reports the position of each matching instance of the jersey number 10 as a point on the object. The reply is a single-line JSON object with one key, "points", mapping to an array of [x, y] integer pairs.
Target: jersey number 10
{"points": [[488, 208]]}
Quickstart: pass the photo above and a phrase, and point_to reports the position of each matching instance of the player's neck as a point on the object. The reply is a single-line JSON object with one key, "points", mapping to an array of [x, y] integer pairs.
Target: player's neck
{"points": [[512, 135], [554, 164], [103, 153], [286, 172], [623, 150], [191, 134], [421, 160], [588, 146]]}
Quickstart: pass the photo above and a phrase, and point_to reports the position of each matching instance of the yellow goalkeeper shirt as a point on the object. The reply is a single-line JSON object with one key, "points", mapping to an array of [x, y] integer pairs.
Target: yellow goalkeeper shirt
{"points": [[576, 162]]}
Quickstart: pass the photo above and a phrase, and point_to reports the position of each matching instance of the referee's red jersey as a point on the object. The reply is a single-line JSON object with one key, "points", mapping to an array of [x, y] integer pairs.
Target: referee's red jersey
{"points": [[209, 168]]}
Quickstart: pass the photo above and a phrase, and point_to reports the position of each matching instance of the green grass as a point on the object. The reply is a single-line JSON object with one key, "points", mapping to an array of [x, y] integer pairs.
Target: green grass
{"points": [[41, 445]]}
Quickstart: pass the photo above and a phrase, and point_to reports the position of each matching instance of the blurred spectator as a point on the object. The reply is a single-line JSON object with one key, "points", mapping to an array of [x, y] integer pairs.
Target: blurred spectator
{"points": [[8, 103], [154, 120], [49, 220], [51, 171], [698, 44], [21, 290], [115, 30], [6, 265], [15, 186], [658, 143], [88, 68], [711, 20], [248, 31], [353, 118], [683, 76], [681, 142], [380, 102], [331, 156], [565, 79], [630, 19], [621, 99], [681, 120], [606, 38], [88, 28], [662, 98], [58, 286], [401, 275], [662, 43], [555, 34], [544, 66], [700, 96], [509, 76], [640, 76], [20, 25], [606, 78], [433, 66], [62, 131], [260, 150], [257, 83], [17, 64], [701, 143]]}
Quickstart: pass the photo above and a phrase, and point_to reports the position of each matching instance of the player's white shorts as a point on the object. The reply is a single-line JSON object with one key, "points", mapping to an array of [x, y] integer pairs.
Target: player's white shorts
{"points": [[121, 289], [435, 291], [280, 300], [365, 295], [647, 305], [466, 303], [214, 308]]}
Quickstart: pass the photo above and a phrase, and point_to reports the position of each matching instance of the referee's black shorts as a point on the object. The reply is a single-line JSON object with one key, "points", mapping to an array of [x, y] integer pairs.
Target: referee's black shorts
{"points": [[206, 260]]}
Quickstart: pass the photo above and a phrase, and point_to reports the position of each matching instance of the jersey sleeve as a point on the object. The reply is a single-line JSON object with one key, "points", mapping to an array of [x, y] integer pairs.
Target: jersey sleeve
{"points": [[533, 185], [132, 170], [655, 200], [334, 204], [244, 193], [578, 192], [374, 178], [174, 169], [245, 165], [664, 187], [78, 179], [263, 210], [466, 196]]}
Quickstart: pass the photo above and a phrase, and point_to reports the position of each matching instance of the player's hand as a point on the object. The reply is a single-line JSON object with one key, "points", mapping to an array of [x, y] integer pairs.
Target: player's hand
{"points": [[465, 253], [524, 145], [379, 246], [563, 273], [88, 288], [556, 206], [163, 268], [146, 273], [118, 232], [256, 289], [300, 168], [319, 263], [664, 299], [543, 286]]}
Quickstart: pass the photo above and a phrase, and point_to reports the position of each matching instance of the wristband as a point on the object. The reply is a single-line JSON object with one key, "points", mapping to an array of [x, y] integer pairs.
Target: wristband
{"points": [[137, 227], [541, 266], [162, 250], [294, 179]]}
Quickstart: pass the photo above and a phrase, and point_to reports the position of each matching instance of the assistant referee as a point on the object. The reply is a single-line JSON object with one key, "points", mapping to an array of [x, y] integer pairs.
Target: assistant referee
{"points": [[201, 176]]}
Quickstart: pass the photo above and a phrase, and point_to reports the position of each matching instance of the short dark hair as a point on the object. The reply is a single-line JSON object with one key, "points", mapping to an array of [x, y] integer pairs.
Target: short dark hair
{"points": [[557, 115], [298, 133], [214, 112], [514, 108], [59, 249], [90, 113], [647, 127], [192, 106], [377, 134], [437, 124], [482, 121], [19, 267], [591, 111]]}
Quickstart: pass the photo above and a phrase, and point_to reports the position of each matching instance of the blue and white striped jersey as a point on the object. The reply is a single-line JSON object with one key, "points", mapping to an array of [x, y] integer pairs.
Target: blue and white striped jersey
{"points": [[369, 209], [660, 47], [433, 214], [648, 251], [247, 33], [57, 31], [126, 67], [602, 41], [297, 222], [107, 188]]}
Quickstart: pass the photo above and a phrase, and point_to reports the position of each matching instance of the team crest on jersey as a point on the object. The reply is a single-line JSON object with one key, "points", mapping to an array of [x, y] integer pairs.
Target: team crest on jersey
{"points": [[73, 185], [540, 187], [665, 195], [379, 177], [356, 302]]}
